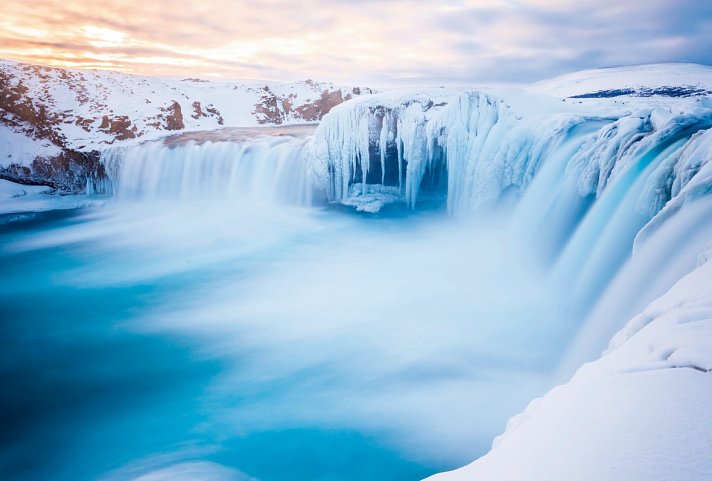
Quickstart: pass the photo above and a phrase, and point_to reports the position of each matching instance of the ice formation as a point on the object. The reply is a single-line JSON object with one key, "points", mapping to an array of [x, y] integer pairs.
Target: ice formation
{"points": [[476, 146], [429, 143], [600, 176]]}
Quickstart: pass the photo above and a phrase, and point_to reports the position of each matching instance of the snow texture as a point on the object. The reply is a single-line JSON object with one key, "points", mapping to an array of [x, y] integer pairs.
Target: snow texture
{"points": [[634, 79], [639, 412], [87, 109]]}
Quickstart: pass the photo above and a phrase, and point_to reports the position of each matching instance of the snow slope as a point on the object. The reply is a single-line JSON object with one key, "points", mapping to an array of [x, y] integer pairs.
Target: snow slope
{"points": [[641, 412], [639, 78], [87, 108], [54, 122]]}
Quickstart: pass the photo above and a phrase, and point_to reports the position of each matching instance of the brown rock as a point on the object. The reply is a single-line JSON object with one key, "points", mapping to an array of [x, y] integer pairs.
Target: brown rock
{"points": [[174, 119]]}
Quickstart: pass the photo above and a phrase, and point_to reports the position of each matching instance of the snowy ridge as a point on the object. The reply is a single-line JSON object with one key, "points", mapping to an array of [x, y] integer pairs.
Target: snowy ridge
{"points": [[90, 108], [639, 412], [634, 80], [54, 122]]}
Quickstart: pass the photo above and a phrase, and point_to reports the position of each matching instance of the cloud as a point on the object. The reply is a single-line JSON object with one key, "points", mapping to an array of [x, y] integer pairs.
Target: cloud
{"points": [[389, 42]]}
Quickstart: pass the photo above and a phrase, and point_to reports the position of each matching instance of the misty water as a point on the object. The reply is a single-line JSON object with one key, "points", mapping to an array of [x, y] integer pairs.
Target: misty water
{"points": [[227, 322]]}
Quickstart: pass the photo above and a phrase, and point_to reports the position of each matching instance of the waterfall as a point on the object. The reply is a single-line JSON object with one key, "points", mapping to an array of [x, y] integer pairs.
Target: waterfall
{"points": [[261, 170], [586, 189], [595, 195]]}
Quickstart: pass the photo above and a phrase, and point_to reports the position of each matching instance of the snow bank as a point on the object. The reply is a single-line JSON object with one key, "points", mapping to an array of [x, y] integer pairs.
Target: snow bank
{"points": [[17, 198], [17, 148], [641, 412]]}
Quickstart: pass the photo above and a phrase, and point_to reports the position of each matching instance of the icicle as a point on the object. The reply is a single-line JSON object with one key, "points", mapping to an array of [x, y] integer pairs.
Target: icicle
{"points": [[383, 144]]}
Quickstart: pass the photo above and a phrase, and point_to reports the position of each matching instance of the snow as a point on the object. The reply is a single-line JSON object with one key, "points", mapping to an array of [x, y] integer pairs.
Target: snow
{"points": [[16, 199], [635, 77], [17, 148], [77, 95], [11, 190], [639, 412], [493, 141]]}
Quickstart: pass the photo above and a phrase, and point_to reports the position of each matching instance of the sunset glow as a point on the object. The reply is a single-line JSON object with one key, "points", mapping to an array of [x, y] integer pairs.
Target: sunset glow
{"points": [[382, 42]]}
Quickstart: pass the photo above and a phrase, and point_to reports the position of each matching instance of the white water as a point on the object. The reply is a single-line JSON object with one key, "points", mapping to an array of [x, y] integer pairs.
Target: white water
{"points": [[266, 170]]}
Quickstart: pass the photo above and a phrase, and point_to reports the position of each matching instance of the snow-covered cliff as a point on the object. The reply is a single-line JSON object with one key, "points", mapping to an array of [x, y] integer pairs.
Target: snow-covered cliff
{"points": [[54, 122]]}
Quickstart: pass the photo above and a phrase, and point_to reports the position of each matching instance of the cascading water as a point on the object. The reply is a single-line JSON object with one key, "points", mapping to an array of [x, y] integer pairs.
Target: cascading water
{"points": [[263, 170], [384, 347], [585, 187]]}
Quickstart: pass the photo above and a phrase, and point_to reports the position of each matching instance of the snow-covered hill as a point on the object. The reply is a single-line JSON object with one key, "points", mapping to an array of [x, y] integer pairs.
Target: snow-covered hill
{"points": [[671, 79], [53, 122]]}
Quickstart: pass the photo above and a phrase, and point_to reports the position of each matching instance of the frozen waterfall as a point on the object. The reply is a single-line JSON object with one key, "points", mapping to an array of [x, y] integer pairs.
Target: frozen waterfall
{"points": [[589, 184]]}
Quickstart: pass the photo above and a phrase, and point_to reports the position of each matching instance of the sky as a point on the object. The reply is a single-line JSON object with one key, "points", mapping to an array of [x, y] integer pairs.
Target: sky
{"points": [[374, 42]]}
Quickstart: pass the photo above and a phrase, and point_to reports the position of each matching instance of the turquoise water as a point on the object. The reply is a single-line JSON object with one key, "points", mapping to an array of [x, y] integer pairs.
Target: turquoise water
{"points": [[216, 321], [290, 344]]}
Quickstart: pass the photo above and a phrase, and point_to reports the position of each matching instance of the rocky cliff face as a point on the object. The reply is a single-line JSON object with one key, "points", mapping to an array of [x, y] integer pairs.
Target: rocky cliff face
{"points": [[55, 122], [277, 108]]}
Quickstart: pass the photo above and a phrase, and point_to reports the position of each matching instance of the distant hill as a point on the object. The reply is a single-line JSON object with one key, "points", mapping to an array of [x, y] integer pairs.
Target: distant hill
{"points": [[54, 121], [665, 79]]}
